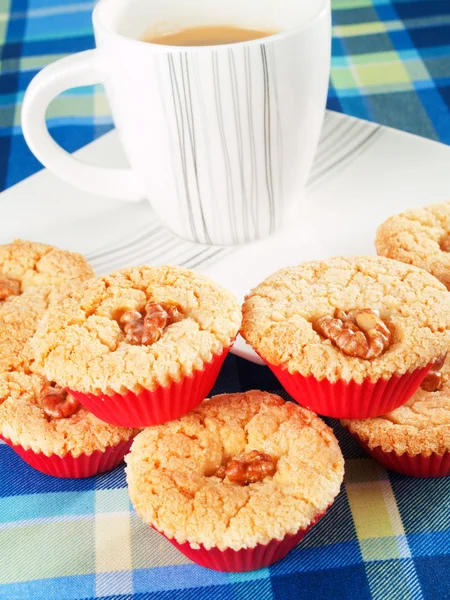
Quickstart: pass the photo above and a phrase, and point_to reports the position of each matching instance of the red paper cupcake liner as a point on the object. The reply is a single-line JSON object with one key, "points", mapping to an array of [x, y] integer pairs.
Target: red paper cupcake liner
{"points": [[351, 400], [247, 559], [72, 467], [157, 406], [418, 465]]}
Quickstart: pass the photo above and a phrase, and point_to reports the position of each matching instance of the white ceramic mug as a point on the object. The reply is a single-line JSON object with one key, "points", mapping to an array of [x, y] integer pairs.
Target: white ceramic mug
{"points": [[220, 139]]}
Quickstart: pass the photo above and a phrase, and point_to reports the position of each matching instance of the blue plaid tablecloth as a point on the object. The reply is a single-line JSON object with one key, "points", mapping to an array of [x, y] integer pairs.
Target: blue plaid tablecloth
{"points": [[387, 536]]}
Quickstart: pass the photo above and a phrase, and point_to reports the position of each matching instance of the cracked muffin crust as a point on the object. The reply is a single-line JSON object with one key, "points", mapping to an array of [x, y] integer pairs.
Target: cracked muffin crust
{"points": [[421, 426], [81, 343], [19, 318], [43, 274], [32, 264], [24, 422], [279, 317], [176, 483], [419, 237]]}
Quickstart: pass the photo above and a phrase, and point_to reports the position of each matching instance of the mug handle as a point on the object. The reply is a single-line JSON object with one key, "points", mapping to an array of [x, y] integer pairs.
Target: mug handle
{"points": [[73, 71]]}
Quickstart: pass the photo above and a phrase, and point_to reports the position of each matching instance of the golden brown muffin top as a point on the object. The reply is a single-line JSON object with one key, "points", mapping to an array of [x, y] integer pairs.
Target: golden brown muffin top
{"points": [[33, 264], [82, 345], [37, 274], [24, 422], [279, 314], [419, 237], [19, 318], [173, 472], [421, 426]]}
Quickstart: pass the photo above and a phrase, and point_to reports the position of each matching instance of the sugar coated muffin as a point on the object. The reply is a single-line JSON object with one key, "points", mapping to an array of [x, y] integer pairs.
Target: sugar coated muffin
{"points": [[32, 276], [19, 318], [415, 438], [53, 433], [25, 265], [238, 481], [140, 346], [419, 237], [349, 337]]}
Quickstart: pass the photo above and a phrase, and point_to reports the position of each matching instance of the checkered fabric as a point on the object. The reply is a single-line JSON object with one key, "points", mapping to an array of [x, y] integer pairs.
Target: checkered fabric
{"points": [[387, 536], [391, 64]]}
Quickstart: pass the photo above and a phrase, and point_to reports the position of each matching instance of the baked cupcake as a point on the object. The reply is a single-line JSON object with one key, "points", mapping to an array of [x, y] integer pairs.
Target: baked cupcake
{"points": [[141, 346], [25, 265], [236, 483], [349, 337], [419, 237], [32, 276], [415, 438], [19, 318], [53, 433]]}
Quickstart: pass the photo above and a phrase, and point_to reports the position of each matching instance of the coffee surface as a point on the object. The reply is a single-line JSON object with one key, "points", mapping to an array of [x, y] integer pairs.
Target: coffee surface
{"points": [[211, 35]]}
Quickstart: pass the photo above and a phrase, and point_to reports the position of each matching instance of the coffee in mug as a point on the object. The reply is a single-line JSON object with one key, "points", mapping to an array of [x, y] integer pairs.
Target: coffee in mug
{"points": [[213, 35], [220, 132]]}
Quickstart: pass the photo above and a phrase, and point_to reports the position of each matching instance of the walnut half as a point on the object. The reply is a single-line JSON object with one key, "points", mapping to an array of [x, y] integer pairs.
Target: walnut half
{"points": [[148, 328], [57, 403], [8, 287], [358, 333], [445, 243], [250, 467], [433, 381]]}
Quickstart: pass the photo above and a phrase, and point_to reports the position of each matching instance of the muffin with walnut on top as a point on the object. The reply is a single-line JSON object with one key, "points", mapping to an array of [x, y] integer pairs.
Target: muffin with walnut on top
{"points": [[349, 337], [29, 266], [45, 425], [140, 346], [53, 433], [236, 483], [420, 237], [415, 438]]}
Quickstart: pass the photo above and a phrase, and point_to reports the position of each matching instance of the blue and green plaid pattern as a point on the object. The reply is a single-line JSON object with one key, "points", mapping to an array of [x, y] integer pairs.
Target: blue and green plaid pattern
{"points": [[391, 64], [387, 536]]}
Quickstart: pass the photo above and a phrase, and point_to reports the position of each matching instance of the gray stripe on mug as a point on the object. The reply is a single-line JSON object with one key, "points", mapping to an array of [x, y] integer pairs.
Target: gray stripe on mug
{"points": [[205, 132], [185, 75], [251, 134], [278, 120], [181, 141], [172, 143], [267, 138], [238, 128], [230, 190]]}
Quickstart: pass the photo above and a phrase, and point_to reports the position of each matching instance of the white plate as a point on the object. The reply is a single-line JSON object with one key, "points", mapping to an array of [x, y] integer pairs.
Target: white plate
{"points": [[362, 174]]}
